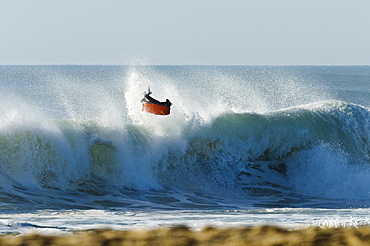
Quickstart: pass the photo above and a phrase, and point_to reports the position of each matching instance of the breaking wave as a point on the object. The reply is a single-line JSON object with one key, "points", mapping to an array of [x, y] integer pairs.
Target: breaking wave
{"points": [[316, 150]]}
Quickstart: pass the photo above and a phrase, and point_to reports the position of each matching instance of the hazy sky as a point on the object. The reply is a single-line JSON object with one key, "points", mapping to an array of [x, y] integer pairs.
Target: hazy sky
{"points": [[182, 32]]}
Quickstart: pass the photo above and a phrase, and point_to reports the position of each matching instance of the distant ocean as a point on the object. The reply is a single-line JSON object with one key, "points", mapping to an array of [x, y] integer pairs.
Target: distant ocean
{"points": [[243, 146]]}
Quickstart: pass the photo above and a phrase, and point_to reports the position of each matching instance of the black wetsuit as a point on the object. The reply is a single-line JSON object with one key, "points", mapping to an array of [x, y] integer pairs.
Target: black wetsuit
{"points": [[167, 103]]}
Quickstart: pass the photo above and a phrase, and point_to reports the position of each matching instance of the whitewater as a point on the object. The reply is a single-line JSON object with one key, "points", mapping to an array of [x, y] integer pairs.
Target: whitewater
{"points": [[243, 146]]}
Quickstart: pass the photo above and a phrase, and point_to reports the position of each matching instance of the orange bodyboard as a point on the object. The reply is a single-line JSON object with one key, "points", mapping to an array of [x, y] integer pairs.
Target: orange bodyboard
{"points": [[155, 108]]}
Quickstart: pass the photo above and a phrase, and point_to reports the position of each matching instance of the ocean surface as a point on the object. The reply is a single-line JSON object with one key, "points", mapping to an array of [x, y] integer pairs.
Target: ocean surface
{"points": [[243, 146]]}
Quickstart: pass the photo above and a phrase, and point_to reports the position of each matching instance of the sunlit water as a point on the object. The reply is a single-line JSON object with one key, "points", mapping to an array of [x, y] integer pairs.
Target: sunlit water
{"points": [[243, 146]]}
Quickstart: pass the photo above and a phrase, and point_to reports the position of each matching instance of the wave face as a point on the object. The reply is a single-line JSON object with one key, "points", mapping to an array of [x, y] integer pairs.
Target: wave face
{"points": [[102, 147], [318, 150]]}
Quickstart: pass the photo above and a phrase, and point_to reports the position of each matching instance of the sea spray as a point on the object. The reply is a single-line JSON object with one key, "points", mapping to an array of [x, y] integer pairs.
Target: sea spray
{"points": [[245, 132], [327, 172]]}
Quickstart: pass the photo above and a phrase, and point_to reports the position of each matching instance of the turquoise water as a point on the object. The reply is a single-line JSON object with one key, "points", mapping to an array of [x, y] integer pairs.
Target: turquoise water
{"points": [[243, 145]]}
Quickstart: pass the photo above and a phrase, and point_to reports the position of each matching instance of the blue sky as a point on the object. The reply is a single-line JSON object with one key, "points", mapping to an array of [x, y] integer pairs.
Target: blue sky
{"points": [[185, 32]]}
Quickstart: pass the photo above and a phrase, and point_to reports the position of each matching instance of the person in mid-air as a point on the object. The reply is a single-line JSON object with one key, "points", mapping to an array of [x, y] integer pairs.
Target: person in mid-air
{"points": [[147, 96]]}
